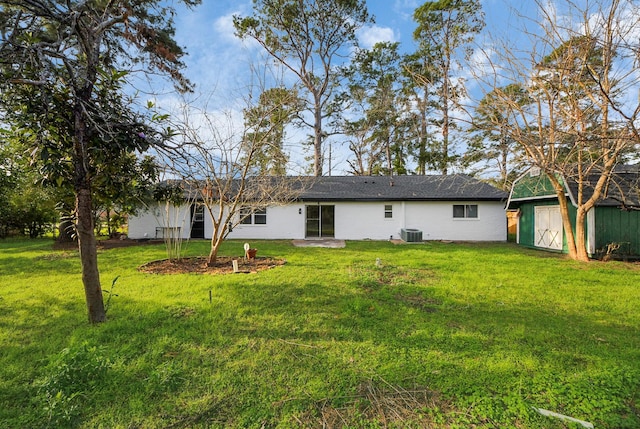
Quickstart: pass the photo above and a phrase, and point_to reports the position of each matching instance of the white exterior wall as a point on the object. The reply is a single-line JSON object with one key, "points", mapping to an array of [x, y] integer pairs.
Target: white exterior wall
{"points": [[358, 221], [143, 225], [353, 221], [283, 222], [436, 221], [366, 221]]}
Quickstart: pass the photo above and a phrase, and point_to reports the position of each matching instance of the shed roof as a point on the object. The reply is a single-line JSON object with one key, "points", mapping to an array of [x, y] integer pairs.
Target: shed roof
{"points": [[622, 189]]}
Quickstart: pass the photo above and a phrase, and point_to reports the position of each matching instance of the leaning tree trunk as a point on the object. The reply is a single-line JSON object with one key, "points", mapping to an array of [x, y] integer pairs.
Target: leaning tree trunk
{"points": [[213, 253], [220, 231], [566, 223]]}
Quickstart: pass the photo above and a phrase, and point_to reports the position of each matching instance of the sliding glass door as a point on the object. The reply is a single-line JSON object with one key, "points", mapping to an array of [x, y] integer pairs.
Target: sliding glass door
{"points": [[320, 221]]}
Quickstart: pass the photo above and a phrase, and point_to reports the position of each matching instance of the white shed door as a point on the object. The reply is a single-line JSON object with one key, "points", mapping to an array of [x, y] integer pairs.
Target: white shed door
{"points": [[548, 227]]}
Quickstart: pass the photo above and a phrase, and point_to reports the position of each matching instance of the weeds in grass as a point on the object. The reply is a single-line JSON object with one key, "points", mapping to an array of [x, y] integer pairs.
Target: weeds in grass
{"points": [[63, 392], [379, 404], [110, 294], [164, 378], [181, 311], [373, 277]]}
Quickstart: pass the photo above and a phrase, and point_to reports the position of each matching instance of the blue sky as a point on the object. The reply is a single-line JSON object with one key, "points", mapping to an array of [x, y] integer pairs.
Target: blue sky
{"points": [[216, 57], [218, 62]]}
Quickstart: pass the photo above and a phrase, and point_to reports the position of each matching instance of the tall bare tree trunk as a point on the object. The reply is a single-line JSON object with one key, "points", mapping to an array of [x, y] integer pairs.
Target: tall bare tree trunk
{"points": [[445, 110], [422, 151], [317, 137]]}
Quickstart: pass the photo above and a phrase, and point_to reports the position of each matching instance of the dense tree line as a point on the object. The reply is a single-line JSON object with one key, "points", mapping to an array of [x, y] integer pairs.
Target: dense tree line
{"points": [[399, 113], [25, 207]]}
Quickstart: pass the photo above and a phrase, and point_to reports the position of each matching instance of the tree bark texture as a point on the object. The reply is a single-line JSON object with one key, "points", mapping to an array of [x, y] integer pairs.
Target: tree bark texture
{"points": [[89, 258], [566, 223], [84, 212], [581, 241], [213, 253]]}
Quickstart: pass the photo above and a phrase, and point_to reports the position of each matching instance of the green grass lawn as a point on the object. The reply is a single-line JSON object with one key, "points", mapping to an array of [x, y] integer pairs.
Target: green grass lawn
{"points": [[436, 335]]}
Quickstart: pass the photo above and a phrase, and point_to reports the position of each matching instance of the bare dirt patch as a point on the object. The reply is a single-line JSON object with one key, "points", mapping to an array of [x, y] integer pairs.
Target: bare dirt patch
{"points": [[198, 265]]}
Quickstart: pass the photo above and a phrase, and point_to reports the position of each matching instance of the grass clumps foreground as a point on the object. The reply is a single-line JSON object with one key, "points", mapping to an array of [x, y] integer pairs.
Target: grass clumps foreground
{"points": [[373, 335]]}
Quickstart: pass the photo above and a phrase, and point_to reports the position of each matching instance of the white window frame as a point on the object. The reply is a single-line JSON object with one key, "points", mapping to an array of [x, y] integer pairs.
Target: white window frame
{"points": [[250, 216], [388, 211], [468, 211], [260, 214]]}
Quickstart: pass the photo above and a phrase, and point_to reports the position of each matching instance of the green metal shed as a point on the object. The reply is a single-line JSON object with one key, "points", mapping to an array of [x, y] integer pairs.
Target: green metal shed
{"points": [[612, 227]]}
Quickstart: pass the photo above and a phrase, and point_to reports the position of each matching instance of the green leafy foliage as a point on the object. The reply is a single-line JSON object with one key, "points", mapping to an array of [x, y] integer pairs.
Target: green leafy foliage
{"points": [[26, 208], [374, 136], [445, 32], [266, 122]]}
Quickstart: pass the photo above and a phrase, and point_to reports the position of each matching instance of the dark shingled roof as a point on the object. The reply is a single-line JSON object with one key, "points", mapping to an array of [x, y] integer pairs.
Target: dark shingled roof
{"points": [[455, 187], [622, 190]]}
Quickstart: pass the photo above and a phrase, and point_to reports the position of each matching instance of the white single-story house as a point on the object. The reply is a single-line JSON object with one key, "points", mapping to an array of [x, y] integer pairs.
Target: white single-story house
{"points": [[414, 208]]}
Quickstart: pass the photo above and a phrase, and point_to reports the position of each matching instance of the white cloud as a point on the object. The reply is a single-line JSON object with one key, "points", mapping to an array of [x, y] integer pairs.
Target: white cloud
{"points": [[370, 35], [223, 27], [405, 8]]}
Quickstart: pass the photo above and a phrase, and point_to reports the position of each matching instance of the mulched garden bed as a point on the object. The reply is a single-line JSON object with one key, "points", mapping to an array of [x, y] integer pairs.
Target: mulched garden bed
{"points": [[198, 265], [105, 244]]}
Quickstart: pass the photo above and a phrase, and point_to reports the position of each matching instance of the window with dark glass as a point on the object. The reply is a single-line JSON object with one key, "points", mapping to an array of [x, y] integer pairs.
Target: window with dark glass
{"points": [[260, 217], [245, 216], [198, 214], [465, 211], [249, 216], [388, 211]]}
